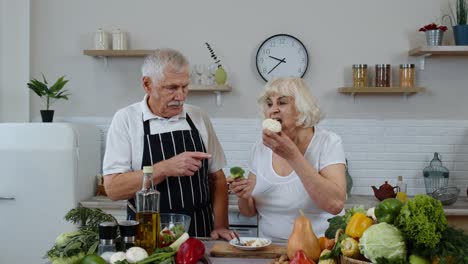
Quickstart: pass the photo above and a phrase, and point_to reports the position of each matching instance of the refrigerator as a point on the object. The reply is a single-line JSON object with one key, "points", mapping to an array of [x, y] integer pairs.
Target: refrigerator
{"points": [[46, 169]]}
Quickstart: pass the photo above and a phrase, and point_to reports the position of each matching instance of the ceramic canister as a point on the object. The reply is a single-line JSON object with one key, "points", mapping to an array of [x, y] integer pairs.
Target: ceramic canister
{"points": [[101, 40], [119, 40]]}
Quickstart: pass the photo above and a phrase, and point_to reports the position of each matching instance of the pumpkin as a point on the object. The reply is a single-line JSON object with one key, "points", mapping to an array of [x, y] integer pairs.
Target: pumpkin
{"points": [[303, 238]]}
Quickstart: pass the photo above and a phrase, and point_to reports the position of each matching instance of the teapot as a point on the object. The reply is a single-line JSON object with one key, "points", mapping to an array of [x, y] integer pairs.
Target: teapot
{"points": [[385, 191]]}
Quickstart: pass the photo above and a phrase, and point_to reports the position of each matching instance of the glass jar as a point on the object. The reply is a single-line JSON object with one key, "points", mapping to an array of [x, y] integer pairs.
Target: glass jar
{"points": [[435, 175], [382, 75], [407, 75], [359, 75]]}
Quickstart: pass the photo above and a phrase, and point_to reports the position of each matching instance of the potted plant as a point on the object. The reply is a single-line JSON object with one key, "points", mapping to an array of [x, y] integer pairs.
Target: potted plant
{"points": [[460, 15], [220, 75], [49, 94], [434, 34]]}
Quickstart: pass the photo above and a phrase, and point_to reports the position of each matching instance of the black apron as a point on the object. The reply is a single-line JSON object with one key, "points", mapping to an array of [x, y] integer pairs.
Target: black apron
{"points": [[189, 195]]}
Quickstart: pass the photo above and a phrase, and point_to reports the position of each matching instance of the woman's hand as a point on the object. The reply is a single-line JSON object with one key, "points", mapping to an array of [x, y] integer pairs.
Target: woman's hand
{"points": [[280, 144], [242, 188]]}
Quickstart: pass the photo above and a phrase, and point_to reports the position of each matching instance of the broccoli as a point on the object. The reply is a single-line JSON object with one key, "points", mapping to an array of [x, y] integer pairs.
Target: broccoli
{"points": [[237, 173]]}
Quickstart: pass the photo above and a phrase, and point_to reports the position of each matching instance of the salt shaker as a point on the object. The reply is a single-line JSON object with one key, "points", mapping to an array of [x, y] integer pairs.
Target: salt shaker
{"points": [[101, 40]]}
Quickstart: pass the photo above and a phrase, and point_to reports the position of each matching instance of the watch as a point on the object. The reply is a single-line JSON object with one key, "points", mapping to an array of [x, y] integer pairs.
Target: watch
{"points": [[282, 55]]}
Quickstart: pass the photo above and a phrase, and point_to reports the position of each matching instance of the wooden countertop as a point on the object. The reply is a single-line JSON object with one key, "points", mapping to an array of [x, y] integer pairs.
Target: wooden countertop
{"points": [[460, 208]]}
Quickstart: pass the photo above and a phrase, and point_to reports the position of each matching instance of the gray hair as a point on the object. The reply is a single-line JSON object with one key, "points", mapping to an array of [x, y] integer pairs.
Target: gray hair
{"points": [[155, 63], [309, 112]]}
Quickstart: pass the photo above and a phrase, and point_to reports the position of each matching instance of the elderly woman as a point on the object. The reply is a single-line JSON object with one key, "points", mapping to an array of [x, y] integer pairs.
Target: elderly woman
{"points": [[301, 167]]}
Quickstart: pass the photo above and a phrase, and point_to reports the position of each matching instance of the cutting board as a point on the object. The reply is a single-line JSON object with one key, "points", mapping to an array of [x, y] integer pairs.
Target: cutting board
{"points": [[224, 250]]}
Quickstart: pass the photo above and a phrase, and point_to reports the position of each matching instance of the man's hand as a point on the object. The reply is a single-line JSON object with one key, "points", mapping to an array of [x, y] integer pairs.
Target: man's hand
{"points": [[223, 233], [184, 164]]}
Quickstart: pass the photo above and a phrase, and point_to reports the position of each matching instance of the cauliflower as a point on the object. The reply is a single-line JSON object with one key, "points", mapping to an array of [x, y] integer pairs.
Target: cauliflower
{"points": [[271, 125]]}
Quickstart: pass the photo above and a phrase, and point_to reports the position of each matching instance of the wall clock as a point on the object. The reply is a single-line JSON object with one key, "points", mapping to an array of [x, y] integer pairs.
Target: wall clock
{"points": [[282, 55]]}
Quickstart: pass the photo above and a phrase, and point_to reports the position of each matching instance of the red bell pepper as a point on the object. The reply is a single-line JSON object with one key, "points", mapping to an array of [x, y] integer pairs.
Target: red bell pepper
{"points": [[190, 251], [301, 258]]}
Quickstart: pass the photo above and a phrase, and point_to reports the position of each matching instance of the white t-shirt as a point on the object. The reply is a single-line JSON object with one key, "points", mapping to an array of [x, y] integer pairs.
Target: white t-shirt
{"points": [[124, 146], [279, 198]]}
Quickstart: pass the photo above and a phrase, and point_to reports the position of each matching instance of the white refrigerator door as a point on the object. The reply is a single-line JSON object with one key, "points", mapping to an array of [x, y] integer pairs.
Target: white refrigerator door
{"points": [[46, 169]]}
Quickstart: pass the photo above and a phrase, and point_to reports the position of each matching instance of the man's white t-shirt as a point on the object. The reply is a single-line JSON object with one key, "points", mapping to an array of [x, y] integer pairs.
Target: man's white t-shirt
{"points": [[279, 198], [124, 146]]}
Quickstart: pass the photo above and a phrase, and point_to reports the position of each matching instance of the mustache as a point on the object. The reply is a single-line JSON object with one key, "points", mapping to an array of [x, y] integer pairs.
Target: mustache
{"points": [[176, 103]]}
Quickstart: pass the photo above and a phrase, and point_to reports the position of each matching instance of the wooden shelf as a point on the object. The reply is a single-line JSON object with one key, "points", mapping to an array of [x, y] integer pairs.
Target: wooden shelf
{"points": [[381, 90], [439, 51], [117, 53], [209, 88]]}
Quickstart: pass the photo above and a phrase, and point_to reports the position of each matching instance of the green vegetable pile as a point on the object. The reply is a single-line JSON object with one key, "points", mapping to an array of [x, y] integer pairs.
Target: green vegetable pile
{"points": [[422, 221], [71, 247]]}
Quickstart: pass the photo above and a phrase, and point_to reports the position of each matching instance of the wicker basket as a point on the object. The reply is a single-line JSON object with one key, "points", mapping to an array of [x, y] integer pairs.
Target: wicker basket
{"points": [[346, 260]]}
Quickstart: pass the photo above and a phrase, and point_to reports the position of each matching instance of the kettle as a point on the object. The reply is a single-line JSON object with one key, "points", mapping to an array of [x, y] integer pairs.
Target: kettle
{"points": [[385, 191]]}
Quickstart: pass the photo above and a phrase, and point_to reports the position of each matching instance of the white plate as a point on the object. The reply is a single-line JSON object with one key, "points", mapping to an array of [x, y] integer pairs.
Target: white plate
{"points": [[265, 243]]}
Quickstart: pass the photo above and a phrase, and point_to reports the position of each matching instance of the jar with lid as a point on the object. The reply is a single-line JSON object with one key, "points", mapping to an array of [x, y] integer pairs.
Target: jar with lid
{"points": [[359, 75], [407, 75], [382, 75]]}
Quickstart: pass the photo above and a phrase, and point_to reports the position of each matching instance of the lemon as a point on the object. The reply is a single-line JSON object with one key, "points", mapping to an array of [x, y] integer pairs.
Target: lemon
{"points": [[93, 259]]}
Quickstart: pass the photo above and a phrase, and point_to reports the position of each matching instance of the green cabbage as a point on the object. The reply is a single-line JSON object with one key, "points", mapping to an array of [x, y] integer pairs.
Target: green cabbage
{"points": [[382, 241]]}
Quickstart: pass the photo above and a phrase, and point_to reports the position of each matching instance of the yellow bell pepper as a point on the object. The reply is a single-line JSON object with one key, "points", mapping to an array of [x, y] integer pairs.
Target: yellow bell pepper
{"points": [[358, 223]]}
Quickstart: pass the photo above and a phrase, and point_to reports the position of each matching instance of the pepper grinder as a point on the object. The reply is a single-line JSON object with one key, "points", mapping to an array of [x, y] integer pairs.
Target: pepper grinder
{"points": [[128, 229], [107, 236]]}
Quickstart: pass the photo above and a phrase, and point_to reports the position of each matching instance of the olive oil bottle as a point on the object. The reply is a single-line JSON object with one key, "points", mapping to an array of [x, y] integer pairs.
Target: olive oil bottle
{"points": [[147, 205]]}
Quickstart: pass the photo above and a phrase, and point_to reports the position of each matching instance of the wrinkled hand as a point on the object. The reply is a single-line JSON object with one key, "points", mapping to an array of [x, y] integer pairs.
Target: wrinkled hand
{"points": [[184, 164], [242, 188], [222, 233], [280, 144]]}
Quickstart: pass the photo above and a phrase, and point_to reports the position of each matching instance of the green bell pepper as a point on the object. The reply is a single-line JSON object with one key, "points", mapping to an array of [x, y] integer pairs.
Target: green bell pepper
{"points": [[387, 210]]}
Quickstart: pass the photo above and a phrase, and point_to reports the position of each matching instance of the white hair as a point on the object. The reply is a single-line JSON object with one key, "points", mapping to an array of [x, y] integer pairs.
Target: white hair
{"points": [[155, 63], [309, 112]]}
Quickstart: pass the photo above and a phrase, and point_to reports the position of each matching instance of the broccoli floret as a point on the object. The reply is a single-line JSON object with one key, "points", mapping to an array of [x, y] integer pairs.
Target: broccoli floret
{"points": [[237, 173]]}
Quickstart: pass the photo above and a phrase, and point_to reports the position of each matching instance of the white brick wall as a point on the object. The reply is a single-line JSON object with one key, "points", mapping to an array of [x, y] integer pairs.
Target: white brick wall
{"points": [[377, 150]]}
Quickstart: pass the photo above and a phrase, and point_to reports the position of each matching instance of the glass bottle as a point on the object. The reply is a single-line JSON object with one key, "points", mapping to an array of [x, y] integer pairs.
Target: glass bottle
{"points": [[147, 205], [382, 75], [435, 175], [107, 237], [359, 75], [401, 190], [407, 75], [128, 230]]}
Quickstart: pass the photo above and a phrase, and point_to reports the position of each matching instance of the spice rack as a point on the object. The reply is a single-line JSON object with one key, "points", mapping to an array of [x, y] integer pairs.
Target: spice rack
{"points": [[217, 89], [437, 51], [381, 90]]}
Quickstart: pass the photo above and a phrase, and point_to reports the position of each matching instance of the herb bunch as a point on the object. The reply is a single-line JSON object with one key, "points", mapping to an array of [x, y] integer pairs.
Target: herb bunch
{"points": [[213, 55]]}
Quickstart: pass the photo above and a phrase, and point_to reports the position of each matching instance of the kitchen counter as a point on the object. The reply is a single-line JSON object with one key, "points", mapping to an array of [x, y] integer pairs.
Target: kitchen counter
{"points": [[215, 260], [460, 208]]}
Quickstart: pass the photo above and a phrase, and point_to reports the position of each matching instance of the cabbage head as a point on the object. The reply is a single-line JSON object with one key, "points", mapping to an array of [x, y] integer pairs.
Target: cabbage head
{"points": [[382, 241]]}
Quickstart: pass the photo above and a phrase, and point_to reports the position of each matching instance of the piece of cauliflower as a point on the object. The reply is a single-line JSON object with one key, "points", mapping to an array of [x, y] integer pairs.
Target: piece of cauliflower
{"points": [[271, 125]]}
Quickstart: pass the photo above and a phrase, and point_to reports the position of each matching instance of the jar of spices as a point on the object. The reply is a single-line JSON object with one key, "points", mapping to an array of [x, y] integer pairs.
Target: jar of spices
{"points": [[359, 75], [382, 75], [407, 75]]}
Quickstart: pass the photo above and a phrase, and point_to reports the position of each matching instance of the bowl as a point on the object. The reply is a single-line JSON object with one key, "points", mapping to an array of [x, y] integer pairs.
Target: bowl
{"points": [[173, 226], [447, 195]]}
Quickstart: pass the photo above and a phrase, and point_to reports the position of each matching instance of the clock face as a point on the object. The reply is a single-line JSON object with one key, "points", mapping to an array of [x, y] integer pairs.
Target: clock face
{"points": [[282, 56]]}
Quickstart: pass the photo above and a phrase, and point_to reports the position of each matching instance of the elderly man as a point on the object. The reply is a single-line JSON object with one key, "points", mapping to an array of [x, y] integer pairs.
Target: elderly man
{"points": [[178, 140]]}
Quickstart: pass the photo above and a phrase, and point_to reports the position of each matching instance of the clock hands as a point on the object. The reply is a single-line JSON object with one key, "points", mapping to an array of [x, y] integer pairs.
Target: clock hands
{"points": [[280, 61]]}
